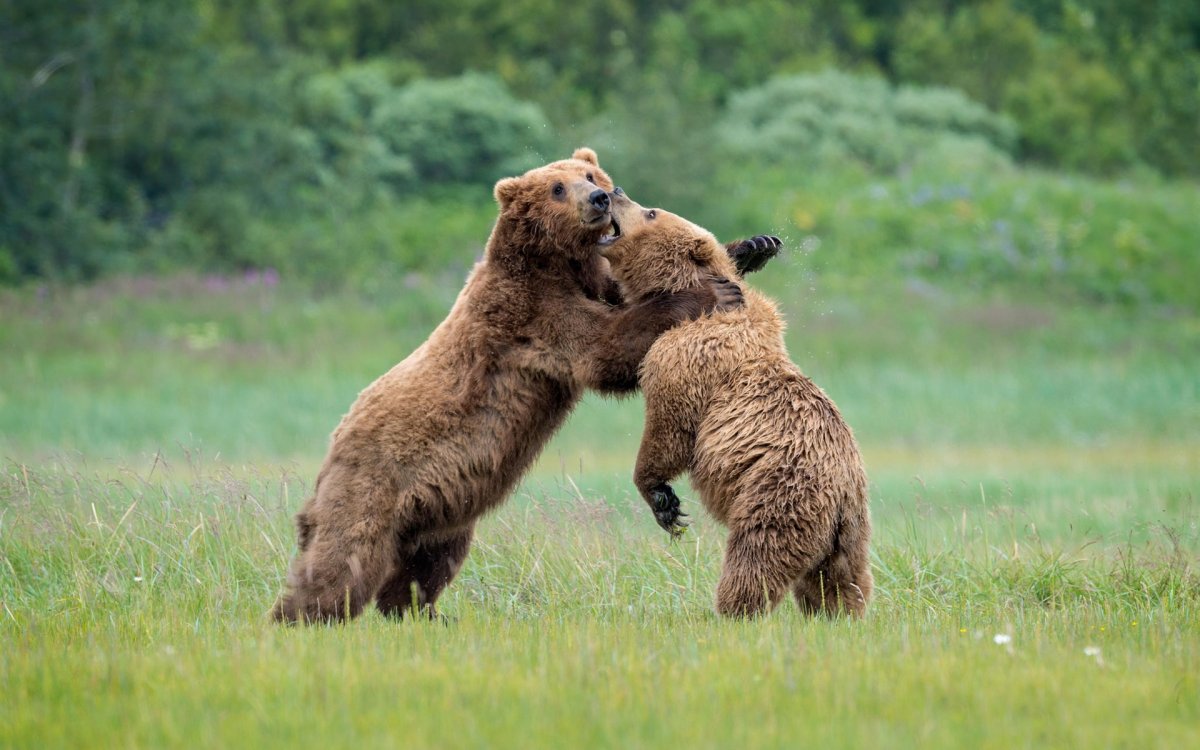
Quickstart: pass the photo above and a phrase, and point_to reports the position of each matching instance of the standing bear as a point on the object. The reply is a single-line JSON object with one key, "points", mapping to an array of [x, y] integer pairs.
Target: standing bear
{"points": [[767, 450], [442, 437]]}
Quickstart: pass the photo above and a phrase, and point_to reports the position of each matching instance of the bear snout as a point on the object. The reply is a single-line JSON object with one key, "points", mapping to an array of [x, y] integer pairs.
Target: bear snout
{"points": [[599, 200]]}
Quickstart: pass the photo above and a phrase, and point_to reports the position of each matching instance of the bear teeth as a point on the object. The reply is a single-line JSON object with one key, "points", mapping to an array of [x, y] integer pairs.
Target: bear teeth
{"points": [[611, 234]]}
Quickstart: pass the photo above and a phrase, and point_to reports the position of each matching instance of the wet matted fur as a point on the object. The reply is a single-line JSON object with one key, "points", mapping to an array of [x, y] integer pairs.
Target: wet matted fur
{"points": [[443, 437], [767, 450]]}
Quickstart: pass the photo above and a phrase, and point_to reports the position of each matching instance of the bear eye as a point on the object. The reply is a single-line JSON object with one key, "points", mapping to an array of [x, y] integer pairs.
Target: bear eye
{"points": [[558, 189], [590, 179], [651, 214]]}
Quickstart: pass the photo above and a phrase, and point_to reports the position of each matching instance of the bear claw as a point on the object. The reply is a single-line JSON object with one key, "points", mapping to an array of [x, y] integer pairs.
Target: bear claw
{"points": [[665, 504], [752, 254]]}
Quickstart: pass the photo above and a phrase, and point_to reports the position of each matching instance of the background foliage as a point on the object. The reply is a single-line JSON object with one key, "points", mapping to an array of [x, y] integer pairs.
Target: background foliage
{"points": [[990, 214], [320, 138]]}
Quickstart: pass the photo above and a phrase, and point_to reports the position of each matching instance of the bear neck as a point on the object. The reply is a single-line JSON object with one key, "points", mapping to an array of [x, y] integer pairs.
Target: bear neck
{"points": [[518, 249], [525, 237]]}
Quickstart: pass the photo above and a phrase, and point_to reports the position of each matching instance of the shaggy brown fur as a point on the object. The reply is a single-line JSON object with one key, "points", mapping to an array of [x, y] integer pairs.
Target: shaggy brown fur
{"points": [[767, 450], [443, 436]]}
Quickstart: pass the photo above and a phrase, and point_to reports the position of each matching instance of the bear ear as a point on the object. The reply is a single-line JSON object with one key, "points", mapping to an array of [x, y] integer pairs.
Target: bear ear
{"points": [[506, 190], [584, 153]]}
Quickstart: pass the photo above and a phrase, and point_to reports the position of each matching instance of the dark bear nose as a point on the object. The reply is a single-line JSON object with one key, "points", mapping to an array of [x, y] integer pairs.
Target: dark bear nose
{"points": [[599, 199]]}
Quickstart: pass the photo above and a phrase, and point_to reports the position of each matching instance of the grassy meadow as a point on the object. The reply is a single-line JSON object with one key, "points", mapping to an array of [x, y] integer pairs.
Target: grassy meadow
{"points": [[1034, 457]]}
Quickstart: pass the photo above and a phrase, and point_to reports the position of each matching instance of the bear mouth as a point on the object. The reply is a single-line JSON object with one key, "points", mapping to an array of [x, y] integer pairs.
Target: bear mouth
{"points": [[611, 235]]}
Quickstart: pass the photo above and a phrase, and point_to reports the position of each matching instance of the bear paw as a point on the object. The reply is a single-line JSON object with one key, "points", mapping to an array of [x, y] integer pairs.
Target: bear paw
{"points": [[729, 297], [752, 254], [665, 504]]}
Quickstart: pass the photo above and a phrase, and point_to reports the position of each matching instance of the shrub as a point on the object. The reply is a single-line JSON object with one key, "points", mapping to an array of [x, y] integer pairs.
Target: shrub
{"points": [[336, 108], [811, 119], [375, 134], [461, 130]]}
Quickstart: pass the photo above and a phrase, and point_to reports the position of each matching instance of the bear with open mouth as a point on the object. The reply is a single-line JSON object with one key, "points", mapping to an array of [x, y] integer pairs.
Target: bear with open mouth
{"points": [[767, 450], [442, 437]]}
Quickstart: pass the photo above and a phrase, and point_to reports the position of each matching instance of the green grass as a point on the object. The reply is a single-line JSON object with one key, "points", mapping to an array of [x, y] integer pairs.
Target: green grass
{"points": [[134, 602], [1035, 466]]}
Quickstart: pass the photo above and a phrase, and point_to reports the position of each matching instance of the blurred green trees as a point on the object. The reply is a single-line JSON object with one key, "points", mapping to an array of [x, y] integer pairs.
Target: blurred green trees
{"points": [[812, 120], [139, 135]]}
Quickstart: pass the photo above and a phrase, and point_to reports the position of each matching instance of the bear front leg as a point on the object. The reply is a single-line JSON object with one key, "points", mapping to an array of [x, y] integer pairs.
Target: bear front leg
{"points": [[665, 453], [623, 340], [752, 254], [665, 503]]}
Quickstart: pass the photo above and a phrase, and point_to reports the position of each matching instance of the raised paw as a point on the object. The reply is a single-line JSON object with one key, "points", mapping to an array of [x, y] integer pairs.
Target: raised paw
{"points": [[752, 254], [729, 295], [665, 504]]}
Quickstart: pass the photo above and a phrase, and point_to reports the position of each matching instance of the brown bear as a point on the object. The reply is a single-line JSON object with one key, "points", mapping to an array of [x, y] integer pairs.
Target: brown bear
{"points": [[442, 437], [767, 450]]}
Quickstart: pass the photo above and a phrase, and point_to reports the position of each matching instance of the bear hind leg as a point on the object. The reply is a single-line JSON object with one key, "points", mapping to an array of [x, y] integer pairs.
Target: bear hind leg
{"points": [[332, 580], [840, 585], [422, 572], [757, 573]]}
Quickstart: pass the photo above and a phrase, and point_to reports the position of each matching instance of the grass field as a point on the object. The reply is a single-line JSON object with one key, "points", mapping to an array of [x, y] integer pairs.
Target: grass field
{"points": [[1035, 466]]}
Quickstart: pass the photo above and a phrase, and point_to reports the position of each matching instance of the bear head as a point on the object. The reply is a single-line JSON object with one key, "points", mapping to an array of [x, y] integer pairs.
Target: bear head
{"points": [[562, 207], [652, 251]]}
